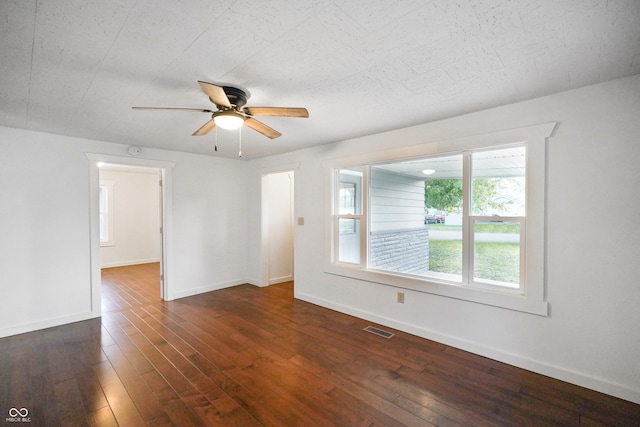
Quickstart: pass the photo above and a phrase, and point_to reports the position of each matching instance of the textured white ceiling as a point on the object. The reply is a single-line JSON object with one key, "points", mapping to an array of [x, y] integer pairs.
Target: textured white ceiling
{"points": [[76, 67]]}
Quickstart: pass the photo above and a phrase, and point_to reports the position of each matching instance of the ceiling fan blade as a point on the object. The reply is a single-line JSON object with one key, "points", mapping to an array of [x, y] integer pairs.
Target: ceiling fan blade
{"points": [[205, 128], [277, 111], [201, 110], [216, 94], [262, 128]]}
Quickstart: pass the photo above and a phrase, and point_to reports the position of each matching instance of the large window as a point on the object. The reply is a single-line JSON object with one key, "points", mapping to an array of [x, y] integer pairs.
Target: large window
{"points": [[467, 224]]}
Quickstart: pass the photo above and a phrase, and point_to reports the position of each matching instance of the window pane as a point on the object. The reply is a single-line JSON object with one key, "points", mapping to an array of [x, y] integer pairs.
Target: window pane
{"points": [[349, 243], [498, 182], [347, 225], [496, 253], [350, 191], [347, 198], [402, 197]]}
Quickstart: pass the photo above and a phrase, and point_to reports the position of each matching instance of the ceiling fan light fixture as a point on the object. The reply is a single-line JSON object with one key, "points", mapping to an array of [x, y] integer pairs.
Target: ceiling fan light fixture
{"points": [[228, 120]]}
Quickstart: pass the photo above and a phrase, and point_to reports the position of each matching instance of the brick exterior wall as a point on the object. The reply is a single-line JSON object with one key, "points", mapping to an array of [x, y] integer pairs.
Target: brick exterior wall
{"points": [[403, 251]]}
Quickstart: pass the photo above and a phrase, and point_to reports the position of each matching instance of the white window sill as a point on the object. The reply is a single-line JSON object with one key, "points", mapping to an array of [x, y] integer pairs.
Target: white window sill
{"points": [[445, 288]]}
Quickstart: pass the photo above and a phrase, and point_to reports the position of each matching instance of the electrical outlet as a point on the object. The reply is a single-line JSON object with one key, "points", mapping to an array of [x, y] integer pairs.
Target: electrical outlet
{"points": [[401, 297]]}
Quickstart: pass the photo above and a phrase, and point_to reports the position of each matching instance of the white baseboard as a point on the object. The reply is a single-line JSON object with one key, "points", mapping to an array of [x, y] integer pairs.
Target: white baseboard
{"points": [[282, 279], [127, 263], [48, 323], [208, 288], [578, 378], [254, 282]]}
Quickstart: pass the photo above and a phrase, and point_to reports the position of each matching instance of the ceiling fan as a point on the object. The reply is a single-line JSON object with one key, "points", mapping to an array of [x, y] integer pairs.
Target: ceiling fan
{"points": [[231, 112]]}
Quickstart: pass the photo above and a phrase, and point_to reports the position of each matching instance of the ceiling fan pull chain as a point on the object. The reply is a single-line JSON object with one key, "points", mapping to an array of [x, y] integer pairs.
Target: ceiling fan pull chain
{"points": [[240, 142], [215, 147]]}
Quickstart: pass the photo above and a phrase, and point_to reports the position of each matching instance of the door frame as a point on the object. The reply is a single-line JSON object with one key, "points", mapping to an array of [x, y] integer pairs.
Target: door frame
{"points": [[263, 279], [166, 225]]}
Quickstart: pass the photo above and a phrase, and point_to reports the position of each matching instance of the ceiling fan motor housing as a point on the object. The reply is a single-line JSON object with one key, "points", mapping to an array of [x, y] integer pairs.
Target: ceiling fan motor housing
{"points": [[236, 96]]}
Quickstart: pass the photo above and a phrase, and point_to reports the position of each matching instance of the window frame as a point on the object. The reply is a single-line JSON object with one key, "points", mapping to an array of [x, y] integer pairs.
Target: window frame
{"points": [[358, 218], [531, 297]]}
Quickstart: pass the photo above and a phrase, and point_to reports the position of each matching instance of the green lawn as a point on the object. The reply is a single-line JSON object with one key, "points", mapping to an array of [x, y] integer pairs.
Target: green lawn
{"points": [[445, 256], [494, 261]]}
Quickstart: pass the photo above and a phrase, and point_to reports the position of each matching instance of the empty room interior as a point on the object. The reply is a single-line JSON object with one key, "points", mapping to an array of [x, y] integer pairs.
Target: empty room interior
{"points": [[237, 212]]}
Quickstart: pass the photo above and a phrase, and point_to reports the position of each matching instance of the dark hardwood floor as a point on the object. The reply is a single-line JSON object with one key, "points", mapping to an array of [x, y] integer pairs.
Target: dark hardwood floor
{"points": [[248, 356]]}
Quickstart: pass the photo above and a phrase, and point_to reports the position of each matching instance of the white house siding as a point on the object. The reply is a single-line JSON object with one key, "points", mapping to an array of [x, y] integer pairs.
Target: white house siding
{"points": [[398, 240], [397, 201]]}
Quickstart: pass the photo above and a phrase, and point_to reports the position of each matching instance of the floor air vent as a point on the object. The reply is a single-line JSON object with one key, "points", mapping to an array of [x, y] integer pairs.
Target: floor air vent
{"points": [[379, 332]]}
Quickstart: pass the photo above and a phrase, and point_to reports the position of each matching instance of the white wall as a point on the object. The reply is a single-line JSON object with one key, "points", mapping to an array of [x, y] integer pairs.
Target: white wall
{"points": [[591, 336], [136, 219], [45, 274], [44, 231]]}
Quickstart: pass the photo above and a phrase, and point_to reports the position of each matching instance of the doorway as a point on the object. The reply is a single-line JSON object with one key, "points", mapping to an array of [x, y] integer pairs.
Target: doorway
{"points": [[130, 215], [277, 227], [166, 169]]}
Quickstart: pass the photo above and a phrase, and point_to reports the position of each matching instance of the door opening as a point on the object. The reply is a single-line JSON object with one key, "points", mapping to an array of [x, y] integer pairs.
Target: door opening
{"points": [[164, 170], [277, 227], [130, 209]]}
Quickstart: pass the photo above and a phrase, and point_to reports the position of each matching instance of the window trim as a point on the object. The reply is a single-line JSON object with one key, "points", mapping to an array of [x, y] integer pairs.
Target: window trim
{"points": [[359, 218], [531, 298]]}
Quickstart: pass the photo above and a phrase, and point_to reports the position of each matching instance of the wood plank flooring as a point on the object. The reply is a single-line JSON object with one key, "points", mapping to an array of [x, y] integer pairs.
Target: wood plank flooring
{"points": [[248, 356]]}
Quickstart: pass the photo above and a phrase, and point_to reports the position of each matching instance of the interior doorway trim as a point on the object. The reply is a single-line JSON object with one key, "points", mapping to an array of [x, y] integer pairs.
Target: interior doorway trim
{"points": [[263, 173], [167, 220]]}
